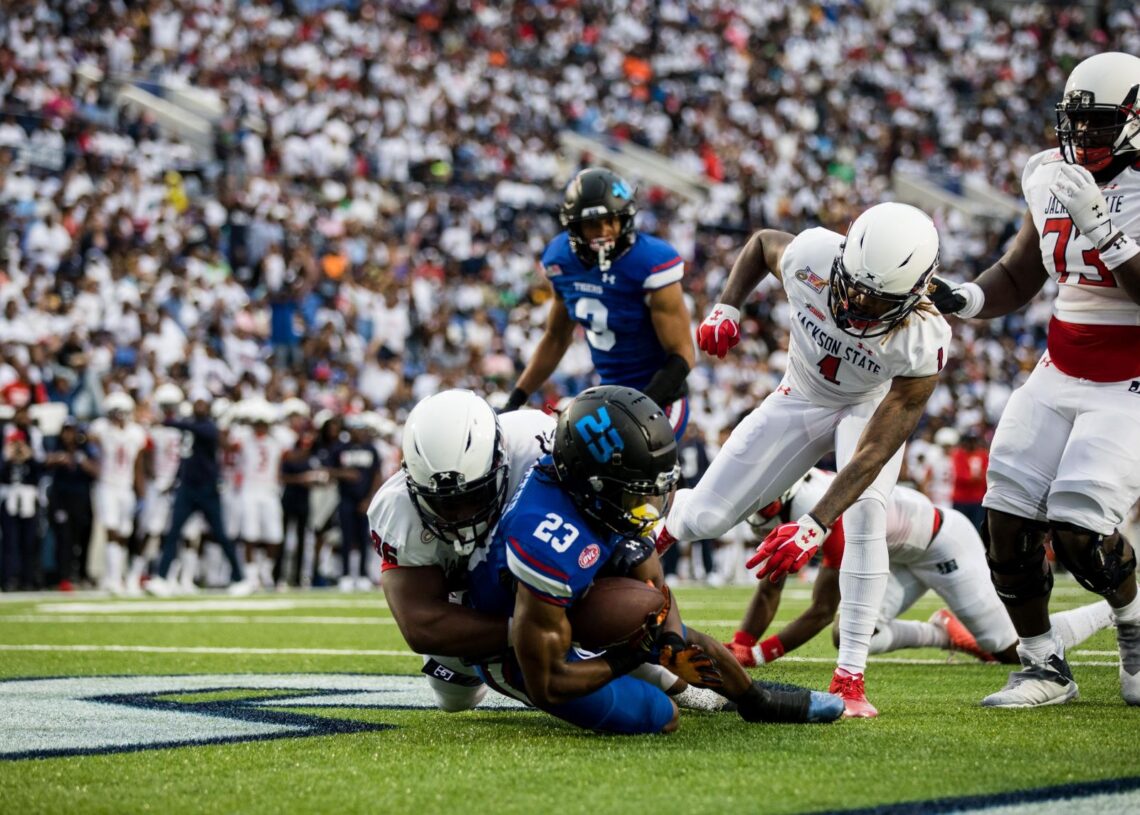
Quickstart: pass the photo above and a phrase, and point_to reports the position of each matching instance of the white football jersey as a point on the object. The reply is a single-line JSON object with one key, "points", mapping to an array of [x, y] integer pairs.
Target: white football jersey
{"points": [[1087, 292], [910, 515], [396, 526], [119, 447], [167, 444], [259, 460], [826, 365]]}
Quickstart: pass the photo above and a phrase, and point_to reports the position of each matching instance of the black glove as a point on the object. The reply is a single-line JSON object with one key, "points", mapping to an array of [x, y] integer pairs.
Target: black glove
{"points": [[515, 401], [945, 296]]}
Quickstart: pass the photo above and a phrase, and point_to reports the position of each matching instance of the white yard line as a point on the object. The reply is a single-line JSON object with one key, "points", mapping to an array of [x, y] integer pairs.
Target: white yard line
{"points": [[358, 652]]}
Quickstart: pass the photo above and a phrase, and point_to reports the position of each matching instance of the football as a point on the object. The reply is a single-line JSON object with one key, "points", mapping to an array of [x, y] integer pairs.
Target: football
{"points": [[613, 612]]}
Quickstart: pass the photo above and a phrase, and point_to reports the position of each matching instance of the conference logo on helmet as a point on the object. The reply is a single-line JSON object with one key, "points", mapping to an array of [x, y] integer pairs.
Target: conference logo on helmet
{"points": [[621, 189], [91, 715], [589, 556], [601, 437]]}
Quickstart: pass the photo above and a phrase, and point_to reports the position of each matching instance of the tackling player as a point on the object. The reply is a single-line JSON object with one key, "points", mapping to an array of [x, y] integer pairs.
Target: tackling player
{"points": [[1063, 460], [930, 548], [865, 353], [624, 288], [461, 463], [609, 478]]}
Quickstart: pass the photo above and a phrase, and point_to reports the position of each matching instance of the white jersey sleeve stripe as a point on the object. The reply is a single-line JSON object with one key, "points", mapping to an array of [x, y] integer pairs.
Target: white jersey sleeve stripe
{"points": [[659, 280], [536, 579]]}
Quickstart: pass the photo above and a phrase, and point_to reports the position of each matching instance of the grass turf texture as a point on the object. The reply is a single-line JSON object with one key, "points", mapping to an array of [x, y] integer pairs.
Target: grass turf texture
{"points": [[932, 739]]}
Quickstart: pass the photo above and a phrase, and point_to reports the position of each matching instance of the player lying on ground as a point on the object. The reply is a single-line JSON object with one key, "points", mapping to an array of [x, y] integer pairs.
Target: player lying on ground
{"points": [[931, 548], [608, 479], [461, 463], [866, 349]]}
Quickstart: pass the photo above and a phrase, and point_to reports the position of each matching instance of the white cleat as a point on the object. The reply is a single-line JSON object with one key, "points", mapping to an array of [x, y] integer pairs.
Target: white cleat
{"points": [[244, 587], [1037, 684], [694, 698], [160, 587], [1128, 638]]}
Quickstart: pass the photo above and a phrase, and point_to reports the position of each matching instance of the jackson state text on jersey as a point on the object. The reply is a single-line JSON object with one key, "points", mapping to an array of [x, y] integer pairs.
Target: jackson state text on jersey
{"points": [[545, 543], [397, 532], [612, 305], [826, 365]]}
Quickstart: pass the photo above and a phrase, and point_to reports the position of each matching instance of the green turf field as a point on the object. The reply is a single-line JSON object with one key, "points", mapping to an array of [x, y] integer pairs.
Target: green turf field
{"points": [[330, 729]]}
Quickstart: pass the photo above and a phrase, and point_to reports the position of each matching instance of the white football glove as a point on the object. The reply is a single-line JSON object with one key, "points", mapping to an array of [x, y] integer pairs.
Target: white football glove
{"points": [[1077, 191]]}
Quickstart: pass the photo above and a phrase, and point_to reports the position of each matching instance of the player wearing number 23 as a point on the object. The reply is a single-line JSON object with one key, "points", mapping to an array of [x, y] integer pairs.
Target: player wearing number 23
{"points": [[624, 288], [866, 348], [1064, 457]]}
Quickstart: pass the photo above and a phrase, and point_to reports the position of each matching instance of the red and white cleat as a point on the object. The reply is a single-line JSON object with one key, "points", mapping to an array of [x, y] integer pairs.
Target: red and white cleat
{"points": [[850, 687], [960, 637], [745, 655]]}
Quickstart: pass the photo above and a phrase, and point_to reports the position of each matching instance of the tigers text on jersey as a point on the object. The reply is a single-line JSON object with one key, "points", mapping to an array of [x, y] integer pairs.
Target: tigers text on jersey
{"points": [[119, 448], [613, 306], [544, 542], [399, 535], [910, 519], [830, 367], [1095, 331]]}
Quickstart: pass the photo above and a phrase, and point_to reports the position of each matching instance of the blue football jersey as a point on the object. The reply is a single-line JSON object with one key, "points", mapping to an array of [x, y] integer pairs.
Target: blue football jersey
{"points": [[612, 305], [542, 541]]}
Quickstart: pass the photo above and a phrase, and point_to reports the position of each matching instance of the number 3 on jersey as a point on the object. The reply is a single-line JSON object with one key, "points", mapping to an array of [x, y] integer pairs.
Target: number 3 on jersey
{"points": [[593, 313]]}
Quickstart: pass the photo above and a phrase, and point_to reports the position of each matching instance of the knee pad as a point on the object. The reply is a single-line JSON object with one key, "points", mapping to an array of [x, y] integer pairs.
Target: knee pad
{"points": [[1017, 562], [1099, 563]]}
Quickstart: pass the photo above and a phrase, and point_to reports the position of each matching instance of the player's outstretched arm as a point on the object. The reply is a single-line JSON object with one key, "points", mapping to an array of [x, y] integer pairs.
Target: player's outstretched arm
{"points": [[888, 428], [556, 338], [817, 616], [541, 635], [759, 257], [1004, 287], [417, 597]]}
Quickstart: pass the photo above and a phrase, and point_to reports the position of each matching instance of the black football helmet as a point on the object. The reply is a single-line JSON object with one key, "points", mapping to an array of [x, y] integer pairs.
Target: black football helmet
{"points": [[598, 193], [615, 455]]}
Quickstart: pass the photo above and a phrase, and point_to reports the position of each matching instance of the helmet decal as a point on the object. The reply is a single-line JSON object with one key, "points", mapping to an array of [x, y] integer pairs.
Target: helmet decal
{"points": [[621, 189], [601, 437]]}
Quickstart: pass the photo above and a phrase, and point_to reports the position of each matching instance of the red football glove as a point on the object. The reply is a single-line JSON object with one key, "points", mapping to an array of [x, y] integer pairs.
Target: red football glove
{"points": [[720, 330], [787, 548]]}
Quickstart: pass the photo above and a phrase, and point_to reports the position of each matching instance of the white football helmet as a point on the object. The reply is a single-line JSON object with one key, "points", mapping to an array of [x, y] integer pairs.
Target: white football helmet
{"points": [[1099, 118], [118, 402], [883, 269], [456, 467], [168, 395]]}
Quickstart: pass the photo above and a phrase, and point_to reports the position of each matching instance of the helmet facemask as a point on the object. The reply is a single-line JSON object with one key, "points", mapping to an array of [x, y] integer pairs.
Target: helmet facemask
{"points": [[459, 511], [862, 311], [601, 251], [630, 508], [1093, 135]]}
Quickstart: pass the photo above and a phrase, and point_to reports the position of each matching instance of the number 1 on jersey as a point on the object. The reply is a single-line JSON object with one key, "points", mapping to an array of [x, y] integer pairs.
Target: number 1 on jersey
{"points": [[829, 367]]}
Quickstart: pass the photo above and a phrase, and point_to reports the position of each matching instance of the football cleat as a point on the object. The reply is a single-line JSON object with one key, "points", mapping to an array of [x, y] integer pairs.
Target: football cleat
{"points": [[694, 698], [960, 637], [159, 587], [1036, 684], [789, 704], [1128, 638], [744, 655], [244, 587], [849, 687]]}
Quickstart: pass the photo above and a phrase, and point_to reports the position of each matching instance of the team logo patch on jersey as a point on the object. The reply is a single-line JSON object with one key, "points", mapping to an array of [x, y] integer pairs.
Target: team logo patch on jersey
{"points": [[588, 556], [1135, 386], [811, 278], [553, 270]]}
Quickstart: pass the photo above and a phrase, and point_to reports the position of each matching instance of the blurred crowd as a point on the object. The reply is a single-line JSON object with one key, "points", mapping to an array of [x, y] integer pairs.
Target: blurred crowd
{"points": [[365, 229]]}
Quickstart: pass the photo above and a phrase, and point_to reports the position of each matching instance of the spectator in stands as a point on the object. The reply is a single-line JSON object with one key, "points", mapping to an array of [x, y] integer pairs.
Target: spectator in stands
{"points": [[20, 472]]}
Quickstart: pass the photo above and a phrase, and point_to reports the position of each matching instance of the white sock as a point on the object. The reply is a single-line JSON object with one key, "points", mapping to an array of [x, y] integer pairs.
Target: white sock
{"points": [[862, 582], [1129, 614], [1076, 625], [138, 566], [115, 558], [1040, 648], [266, 572], [916, 634], [882, 641], [189, 561]]}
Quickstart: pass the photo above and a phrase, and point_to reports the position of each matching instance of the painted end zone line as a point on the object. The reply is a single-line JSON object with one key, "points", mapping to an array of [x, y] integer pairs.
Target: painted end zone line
{"points": [[376, 652]]}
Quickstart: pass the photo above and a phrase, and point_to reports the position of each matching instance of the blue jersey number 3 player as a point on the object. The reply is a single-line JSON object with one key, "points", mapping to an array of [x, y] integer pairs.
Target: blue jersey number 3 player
{"points": [[624, 288]]}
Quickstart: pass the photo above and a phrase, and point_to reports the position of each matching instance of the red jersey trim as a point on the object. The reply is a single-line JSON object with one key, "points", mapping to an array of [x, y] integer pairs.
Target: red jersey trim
{"points": [[1100, 353]]}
